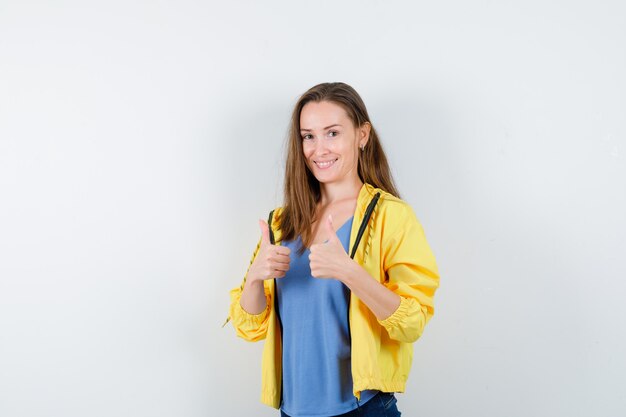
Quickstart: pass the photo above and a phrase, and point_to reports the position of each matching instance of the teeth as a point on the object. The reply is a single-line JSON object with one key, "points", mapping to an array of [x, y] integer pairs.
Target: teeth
{"points": [[325, 164]]}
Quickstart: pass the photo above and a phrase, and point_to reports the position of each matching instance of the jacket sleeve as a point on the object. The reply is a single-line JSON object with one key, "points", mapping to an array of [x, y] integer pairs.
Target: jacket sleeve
{"points": [[251, 327], [412, 273]]}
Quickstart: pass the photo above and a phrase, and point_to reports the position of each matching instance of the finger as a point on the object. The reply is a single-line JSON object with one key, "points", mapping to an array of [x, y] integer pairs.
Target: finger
{"points": [[283, 259], [279, 267], [265, 232], [282, 250], [315, 273]]}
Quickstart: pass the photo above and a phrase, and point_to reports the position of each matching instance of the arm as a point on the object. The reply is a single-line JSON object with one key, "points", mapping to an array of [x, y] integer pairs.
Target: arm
{"points": [[403, 304], [251, 327], [251, 302], [382, 301], [411, 273]]}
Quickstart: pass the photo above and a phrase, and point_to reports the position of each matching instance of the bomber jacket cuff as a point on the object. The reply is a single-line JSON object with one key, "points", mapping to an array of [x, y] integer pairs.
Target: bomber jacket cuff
{"points": [[397, 317], [251, 319]]}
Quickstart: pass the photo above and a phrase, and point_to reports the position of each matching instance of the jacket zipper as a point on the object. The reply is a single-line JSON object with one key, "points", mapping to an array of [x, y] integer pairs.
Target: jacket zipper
{"points": [[366, 218]]}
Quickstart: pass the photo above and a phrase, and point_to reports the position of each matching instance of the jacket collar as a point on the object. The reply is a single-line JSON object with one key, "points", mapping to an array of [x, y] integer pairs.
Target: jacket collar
{"points": [[366, 193]]}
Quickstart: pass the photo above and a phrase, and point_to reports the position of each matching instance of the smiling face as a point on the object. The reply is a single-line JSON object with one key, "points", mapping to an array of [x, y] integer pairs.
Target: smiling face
{"points": [[331, 142]]}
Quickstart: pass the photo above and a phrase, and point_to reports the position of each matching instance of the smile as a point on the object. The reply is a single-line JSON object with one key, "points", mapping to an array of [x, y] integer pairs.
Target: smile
{"points": [[324, 164]]}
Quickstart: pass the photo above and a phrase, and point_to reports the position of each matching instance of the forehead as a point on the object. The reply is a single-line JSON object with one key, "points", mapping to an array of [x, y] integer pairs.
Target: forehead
{"points": [[317, 115]]}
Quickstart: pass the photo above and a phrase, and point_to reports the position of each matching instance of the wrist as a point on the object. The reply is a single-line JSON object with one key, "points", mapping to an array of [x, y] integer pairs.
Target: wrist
{"points": [[351, 273], [252, 282]]}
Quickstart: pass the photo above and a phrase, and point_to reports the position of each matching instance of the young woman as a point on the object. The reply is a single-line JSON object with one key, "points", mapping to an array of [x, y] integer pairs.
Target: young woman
{"points": [[342, 280]]}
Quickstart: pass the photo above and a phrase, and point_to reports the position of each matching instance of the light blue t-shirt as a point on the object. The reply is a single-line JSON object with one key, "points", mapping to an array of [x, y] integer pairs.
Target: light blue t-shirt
{"points": [[317, 378]]}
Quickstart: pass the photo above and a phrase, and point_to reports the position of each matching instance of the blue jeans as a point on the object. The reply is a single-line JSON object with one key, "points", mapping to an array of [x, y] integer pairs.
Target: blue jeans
{"points": [[382, 404]]}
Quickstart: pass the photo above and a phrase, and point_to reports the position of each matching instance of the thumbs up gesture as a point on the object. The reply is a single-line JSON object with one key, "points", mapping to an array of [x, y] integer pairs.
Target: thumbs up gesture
{"points": [[272, 261], [329, 259]]}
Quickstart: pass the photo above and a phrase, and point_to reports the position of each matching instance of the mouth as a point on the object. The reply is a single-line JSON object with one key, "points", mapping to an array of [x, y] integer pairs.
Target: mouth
{"points": [[325, 164]]}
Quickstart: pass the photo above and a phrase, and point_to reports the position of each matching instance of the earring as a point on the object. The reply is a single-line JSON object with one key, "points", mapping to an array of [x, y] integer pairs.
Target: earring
{"points": [[362, 147]]}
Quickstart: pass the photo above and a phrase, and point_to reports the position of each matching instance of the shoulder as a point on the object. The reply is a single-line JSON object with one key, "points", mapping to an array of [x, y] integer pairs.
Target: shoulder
{"points": [[276, 213], [391, 206], [393, 216]]}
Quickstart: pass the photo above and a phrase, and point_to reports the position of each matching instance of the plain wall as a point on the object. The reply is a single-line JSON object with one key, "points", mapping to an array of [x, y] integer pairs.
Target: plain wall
{"points": [[141, 141]]}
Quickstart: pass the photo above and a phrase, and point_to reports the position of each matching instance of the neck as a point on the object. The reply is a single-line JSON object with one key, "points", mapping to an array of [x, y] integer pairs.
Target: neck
{"points": [[333, 192]]}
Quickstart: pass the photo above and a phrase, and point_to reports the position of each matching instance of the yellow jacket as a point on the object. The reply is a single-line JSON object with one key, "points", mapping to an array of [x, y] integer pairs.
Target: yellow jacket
{"points": [[394, 251]]}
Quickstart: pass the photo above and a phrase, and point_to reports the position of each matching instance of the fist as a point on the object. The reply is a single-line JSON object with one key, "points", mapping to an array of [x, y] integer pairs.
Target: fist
{"points": [[329, 259], [272, 261]]}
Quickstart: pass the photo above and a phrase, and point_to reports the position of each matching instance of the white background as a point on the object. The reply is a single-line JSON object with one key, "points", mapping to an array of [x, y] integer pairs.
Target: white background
{"points": [[141, 141]]}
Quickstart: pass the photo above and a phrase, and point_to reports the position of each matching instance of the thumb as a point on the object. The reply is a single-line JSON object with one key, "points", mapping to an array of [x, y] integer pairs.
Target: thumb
{"points": [[265, 232], [330, 230]]}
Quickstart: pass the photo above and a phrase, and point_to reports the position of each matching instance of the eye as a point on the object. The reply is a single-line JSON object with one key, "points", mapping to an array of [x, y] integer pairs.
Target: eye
{"points": [[333, 133], [307, 136]]}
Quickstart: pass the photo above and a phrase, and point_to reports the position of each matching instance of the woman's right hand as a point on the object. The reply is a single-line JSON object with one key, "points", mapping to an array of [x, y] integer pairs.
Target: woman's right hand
{"points": [[272, 261]]}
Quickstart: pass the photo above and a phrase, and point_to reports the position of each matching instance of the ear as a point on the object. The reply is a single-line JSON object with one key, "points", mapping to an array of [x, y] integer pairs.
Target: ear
{"points": [[364, 134]]}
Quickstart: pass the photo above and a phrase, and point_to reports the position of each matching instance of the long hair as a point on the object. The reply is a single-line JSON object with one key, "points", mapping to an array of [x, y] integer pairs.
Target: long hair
{"points": [[302, 189]]}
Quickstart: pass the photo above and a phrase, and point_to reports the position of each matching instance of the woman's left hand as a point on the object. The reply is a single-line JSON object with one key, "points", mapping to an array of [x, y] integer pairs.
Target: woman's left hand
{"points": [[329, 259]]}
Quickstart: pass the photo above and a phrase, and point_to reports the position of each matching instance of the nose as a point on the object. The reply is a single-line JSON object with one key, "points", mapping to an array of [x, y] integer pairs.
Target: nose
{"points": [[321, 147]]}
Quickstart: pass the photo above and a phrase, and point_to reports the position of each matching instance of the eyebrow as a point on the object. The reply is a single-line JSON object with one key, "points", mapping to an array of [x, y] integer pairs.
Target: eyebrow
{"points": [[327, 127]]}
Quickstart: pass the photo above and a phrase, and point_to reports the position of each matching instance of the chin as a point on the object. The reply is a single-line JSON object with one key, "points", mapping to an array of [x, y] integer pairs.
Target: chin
{"points": [[326, 180]]}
